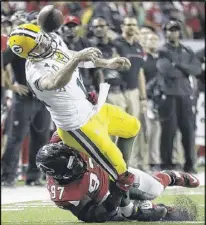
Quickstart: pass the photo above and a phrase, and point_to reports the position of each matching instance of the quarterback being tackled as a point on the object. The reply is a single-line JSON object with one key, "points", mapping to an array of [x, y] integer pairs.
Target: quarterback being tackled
{"points": [[52, 74]]}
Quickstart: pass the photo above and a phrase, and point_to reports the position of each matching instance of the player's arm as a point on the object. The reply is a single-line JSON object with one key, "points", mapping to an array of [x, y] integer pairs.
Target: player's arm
{"points": [[64, 75], [116, 62], [142, 84], [96, 213], [113, 63], [86, 210], [60, 78]]}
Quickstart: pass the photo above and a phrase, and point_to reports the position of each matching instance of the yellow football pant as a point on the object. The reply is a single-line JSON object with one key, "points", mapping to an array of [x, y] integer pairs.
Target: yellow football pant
{"points": [[94, 140]]}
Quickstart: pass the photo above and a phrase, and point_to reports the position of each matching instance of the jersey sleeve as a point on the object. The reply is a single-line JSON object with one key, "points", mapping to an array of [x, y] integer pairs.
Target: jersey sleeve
{"points": [[33, 75], [74, 191]]}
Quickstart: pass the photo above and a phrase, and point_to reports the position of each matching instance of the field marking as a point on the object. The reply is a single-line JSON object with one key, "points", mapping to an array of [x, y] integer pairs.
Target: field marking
{"points": [[10, 209], [27, 194]]}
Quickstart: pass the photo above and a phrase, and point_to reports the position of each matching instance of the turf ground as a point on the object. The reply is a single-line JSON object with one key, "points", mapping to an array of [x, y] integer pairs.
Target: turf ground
{"points": [[45, 212]]}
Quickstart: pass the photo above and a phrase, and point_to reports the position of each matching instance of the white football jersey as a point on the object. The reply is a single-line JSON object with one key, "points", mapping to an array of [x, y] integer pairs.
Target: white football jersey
{"points": [[68, 106]]}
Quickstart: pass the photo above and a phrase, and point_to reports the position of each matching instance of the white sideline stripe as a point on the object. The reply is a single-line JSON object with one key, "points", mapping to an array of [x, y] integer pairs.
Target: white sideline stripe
{"points": [[23, 194], [26, 194], [18, 209]]}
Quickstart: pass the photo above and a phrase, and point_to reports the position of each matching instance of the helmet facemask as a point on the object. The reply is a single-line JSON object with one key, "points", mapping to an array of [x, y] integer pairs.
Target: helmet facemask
{"points": [[46, 46]]}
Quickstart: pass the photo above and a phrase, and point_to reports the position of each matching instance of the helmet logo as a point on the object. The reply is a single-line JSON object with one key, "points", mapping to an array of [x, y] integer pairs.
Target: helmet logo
{"points": [[17, 49], [70, 163]]}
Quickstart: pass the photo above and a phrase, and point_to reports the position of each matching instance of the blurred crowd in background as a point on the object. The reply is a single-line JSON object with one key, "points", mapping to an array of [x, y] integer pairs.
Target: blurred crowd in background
{"points": [[107, 25], [192, 14]]}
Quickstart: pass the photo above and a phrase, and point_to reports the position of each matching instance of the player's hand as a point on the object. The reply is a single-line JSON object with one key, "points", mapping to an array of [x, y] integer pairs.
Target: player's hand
{"points": [[92, 97], [89, 54], [55, 138], [119, 63], [20, 89]]}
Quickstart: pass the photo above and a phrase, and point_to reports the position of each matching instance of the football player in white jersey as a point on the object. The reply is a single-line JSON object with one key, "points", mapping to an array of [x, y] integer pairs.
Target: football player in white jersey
{"points": [[52, 74]]}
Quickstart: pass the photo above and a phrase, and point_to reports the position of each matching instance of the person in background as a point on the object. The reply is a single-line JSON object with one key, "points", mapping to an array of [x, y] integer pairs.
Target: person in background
{"points": [[28, 116], [175, 64], [200, 117], [144, 31], [135, 96], [150, 70], [151, 44], [192, 18], [102, 41], [7, 85], [69, 32], [154, 17]]}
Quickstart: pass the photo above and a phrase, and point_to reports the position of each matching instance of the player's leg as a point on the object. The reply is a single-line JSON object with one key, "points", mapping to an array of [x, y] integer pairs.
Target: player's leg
{"points": [[178, 178], [149, 187], [146, 187], [125, 126], [93, 139], [20, 119]]}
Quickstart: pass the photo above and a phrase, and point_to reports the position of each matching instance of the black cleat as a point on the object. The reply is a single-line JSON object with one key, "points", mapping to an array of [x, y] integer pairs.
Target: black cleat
{"points": [[177, 214], [8, 183], [147, 211]]}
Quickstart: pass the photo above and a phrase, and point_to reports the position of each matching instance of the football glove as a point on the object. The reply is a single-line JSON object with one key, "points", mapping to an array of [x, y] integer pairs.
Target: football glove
{"points": [[92, 97]]}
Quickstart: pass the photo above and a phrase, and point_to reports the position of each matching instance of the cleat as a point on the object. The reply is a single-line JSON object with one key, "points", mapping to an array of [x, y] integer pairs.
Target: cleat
{"points": [[147, 211], [182, 179], [8, 183], [177, 214]]}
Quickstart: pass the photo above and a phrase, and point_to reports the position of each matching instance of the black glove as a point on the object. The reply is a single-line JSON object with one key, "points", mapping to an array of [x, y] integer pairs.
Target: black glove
{"points": [[97, 212]]}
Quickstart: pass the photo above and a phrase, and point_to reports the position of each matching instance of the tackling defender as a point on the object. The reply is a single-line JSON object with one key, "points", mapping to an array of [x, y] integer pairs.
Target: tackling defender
{"points": [[53, 75], [77, 183]]}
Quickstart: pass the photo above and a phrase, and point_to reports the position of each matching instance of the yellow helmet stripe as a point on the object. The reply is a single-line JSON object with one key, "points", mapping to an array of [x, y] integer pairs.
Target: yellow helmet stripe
{"points": [[23, 32]]}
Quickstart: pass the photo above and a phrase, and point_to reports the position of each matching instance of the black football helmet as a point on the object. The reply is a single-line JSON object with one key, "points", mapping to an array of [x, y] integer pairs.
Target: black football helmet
{"points": [[61, 162]]}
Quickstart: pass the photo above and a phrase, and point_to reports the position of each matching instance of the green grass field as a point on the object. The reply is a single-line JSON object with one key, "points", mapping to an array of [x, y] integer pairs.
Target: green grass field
{"points": [[45, 212]]}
